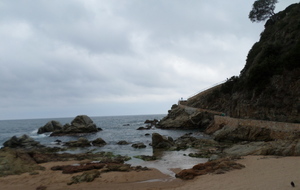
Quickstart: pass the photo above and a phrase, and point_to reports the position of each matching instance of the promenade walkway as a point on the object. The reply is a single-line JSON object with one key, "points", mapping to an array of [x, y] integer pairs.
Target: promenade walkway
{"points": [[189, 109], [235, 121]]}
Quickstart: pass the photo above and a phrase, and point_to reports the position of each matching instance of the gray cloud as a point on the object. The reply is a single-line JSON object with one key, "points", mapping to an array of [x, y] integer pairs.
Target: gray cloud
{"points": [[60, 58]]}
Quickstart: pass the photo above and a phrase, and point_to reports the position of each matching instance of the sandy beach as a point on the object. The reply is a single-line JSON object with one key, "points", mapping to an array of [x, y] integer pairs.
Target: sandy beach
{"points": [[260, 173]]}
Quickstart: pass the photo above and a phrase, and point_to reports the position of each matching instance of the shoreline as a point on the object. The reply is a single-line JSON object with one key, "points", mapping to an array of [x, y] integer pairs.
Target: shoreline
{"points": [[261, 172]]}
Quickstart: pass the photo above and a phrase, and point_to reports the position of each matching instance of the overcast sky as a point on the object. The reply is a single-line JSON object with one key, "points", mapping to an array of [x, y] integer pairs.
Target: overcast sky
{"points": [[117, 57]]}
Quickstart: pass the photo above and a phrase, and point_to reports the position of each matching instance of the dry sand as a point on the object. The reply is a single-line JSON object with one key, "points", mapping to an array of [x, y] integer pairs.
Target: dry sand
{"points": [[261, 173]]}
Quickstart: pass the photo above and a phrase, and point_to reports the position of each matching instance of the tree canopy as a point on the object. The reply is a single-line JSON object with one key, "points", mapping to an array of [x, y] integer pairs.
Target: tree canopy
{"points": [[262, 10]]}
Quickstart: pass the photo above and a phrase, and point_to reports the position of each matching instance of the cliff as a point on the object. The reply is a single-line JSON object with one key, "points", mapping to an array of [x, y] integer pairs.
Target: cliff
{"points": [[268, 87]]}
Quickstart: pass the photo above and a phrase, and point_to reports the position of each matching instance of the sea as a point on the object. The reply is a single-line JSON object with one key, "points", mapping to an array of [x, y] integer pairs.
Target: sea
{"points": [[114, 129]]}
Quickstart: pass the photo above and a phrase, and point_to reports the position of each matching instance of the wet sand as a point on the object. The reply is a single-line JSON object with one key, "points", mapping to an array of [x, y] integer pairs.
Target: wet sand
{"points": [[261, 173]]}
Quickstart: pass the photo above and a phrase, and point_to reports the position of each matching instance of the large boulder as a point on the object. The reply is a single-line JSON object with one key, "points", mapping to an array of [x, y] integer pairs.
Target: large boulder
{"points": [[98, 142], [161, 142], [82, 121], [15, 162], [80, 125], [23, 142], [81, 142], [186, 118], [50, 127]]}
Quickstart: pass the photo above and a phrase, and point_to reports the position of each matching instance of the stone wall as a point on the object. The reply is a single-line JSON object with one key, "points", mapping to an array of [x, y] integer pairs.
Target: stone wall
{"points": [[191, 110], [234, 122]]}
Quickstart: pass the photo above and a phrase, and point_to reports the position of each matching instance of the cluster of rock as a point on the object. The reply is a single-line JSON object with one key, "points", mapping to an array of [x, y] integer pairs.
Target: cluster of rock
{"points": [[23, 142], [227, 141], [231, 139], [150, 124], [186, 118], [161, 142], [17, 161], [27, 143], [257, 140], [206, 148], [219, 166], [80, 125], [83, 142], [94, 170]]}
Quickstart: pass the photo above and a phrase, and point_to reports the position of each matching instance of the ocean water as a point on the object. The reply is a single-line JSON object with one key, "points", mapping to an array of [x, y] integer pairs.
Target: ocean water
{"points": [[115, 129]]}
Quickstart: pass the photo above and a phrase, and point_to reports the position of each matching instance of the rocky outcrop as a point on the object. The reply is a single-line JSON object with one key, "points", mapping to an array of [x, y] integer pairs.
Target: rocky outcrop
{"points": [[151, 123], [18, 161], [138, 145], [83, 142], [88, 176], [268, 87], [279, 148], [50, 127], [186, 118], [216, 167], [146, 157], [122, 142], [254, 133], [98, 142], [144, 128], [15, 162], [161, 142], [80, 125], [23, 142], [92, 170]]}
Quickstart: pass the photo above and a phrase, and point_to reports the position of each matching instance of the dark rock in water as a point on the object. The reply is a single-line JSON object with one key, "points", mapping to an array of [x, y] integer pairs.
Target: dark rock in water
{"points": [[139, 145], [58, 142], [146, 157], [151, 122], [161, 142], [80, 125], [24, 142], [147, 134], [81, 142], [123, 143], [50, 127], [98, 142], [144, 128], [126, 124]]}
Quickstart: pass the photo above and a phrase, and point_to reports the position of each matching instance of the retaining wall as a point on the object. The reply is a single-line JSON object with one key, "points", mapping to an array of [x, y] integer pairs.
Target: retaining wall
{"points": [[234, 122]]}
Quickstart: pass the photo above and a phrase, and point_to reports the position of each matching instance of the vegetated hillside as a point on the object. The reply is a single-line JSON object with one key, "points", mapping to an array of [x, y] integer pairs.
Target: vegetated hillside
{"points": [[268, 87]]}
